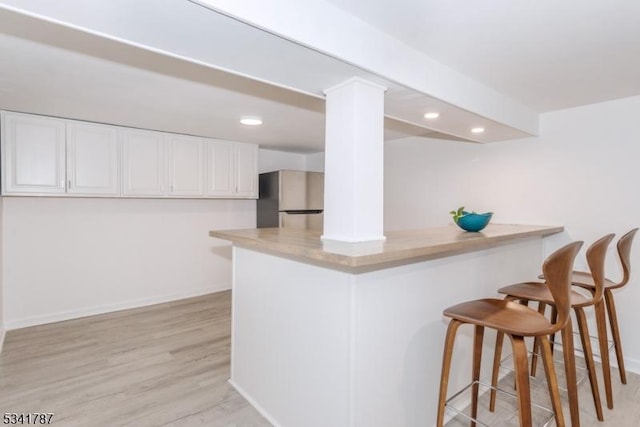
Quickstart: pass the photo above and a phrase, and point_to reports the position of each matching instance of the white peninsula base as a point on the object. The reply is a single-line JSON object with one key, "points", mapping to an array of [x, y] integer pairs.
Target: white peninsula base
{"points": [[314, 346]]}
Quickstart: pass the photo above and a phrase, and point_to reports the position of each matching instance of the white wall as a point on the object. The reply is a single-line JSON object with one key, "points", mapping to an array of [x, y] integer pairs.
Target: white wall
{"points": [[2, 330], [71, 257], [315, 162], [582, 172], [271, 160], [66, 258]]}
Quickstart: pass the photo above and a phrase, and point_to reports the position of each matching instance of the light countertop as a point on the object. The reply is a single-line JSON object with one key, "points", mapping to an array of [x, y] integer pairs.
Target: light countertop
{"points": [[400, 247]]}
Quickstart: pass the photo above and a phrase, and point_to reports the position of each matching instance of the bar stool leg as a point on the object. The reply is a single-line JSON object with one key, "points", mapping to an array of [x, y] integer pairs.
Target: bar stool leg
{"points": [[477, 358], [554, 319], [604, 351], [497, 356], [588, 357], [536, 344], [446, 368], [568, 352], [520, 362], [615, 331], [552, 380]]}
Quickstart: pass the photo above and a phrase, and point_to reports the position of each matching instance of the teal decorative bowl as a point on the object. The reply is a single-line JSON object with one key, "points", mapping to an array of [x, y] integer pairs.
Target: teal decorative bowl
{"points": [[471, 221]]}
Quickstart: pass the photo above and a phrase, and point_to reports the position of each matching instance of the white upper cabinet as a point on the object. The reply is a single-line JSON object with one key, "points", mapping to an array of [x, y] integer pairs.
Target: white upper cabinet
{"points": [[33, 154], [92, 159], [158, 164], [246, 173], [220, 157], [186, 165], [232, 170], [143, 163], [50, 156]]}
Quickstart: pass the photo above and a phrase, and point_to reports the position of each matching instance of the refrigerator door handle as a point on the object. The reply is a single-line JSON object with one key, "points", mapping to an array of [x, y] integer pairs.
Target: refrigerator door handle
{"points": [[302, 211]]}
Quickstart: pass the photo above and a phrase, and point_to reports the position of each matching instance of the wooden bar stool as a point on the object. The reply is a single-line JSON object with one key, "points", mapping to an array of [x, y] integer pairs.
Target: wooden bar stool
{"points": [[517, 322], [535, 291], [586, 280]]}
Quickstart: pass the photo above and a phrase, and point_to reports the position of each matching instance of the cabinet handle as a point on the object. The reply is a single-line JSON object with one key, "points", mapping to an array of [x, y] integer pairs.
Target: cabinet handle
{"points": [[69, 184]]}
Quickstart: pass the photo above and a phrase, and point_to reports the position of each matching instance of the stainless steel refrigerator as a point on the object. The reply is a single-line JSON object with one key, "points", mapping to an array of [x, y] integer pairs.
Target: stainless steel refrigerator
{"points": [[291, 199]]}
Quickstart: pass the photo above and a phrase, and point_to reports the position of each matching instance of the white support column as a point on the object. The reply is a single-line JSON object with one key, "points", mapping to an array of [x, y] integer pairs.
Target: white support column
{"points": [[353, 186]]}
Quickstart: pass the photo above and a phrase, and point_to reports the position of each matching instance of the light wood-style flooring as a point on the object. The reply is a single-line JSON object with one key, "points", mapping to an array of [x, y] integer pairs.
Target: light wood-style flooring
{"points": [[168, 365]]}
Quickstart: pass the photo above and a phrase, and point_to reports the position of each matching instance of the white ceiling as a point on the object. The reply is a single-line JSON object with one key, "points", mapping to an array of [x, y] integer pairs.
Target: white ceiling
{"points": [[176, 80], [182, 68], [54, 70], [547, 54]]}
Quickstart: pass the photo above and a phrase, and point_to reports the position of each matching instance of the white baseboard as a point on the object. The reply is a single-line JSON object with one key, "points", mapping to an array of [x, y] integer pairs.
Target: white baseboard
{"points": [[630, 365], [108, 308], [255, 404]]}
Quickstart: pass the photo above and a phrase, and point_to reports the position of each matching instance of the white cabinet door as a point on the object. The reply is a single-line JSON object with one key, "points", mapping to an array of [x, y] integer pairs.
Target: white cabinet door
{"points": [[220, 170], [186, 165], [246, 170], [143, 163], [33, 154], [92, 159], [232, 169]]}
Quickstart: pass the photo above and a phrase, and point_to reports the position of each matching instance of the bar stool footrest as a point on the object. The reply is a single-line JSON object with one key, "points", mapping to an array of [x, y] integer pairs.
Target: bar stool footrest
{"points": [[452, 408]]}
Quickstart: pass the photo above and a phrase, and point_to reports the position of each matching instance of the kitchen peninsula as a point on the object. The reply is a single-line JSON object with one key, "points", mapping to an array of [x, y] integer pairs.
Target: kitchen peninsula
{"points": [[350, 334]]}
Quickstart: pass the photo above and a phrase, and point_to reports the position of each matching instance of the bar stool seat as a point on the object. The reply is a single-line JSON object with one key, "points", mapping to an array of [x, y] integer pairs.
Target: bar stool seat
{"points": [[584, 279], [533, 291], [505, 316], [517, 322]]}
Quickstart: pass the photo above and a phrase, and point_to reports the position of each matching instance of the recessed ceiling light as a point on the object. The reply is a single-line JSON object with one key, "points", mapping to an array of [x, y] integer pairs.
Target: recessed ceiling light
{"points": [[477, 130], [251, 121], [432, 115]]}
